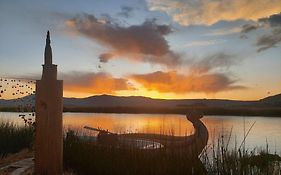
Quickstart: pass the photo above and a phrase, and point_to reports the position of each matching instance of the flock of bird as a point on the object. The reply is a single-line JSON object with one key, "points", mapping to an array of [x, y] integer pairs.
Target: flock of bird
{"points": [[22, 94]]}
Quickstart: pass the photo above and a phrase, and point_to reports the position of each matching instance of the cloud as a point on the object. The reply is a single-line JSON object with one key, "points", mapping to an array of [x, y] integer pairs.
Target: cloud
{"points": [[224, 31], [105, 57], [142, 43], [248, 28], [94, 83], [273, 20], [145, 42], [172, 82], [204, 75], [126, 11], [265, 41], [217, 61], [188, 12], [204, 43], [269, 40]]}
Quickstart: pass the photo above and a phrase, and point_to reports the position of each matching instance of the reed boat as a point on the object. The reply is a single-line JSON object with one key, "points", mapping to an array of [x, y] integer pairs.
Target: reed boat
{"points": [[191, 145]]}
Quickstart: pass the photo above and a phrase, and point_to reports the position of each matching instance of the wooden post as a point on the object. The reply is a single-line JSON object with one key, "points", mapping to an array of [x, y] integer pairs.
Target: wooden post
{"points": [[49, 108]]}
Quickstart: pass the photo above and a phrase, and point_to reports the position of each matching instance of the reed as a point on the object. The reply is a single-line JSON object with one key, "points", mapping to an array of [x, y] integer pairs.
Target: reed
{"points": [[14, 138], [88, 157], [218, 158], [83, 156]]}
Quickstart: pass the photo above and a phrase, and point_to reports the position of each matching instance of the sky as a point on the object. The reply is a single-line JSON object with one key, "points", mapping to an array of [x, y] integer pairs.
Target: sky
{"points": [[168, 49]]}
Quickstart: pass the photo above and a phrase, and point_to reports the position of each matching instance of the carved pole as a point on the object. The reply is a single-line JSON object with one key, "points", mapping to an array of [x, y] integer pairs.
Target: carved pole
{"points": [[49, 106]]}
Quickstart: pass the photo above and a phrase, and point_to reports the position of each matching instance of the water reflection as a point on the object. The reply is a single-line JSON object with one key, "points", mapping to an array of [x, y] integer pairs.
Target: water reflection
{"points": [[130, 123], [266, 129]]}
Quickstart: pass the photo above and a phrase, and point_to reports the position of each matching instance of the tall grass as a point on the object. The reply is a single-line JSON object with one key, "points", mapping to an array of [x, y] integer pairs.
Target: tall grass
{"points": [[219, 159], [14, 138], [84, 156], [87, 157]]}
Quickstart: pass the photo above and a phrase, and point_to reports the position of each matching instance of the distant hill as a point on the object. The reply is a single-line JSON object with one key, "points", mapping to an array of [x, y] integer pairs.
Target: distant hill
{"points": [[274, 100], [138, 101], [27, 100], [137, 104]]}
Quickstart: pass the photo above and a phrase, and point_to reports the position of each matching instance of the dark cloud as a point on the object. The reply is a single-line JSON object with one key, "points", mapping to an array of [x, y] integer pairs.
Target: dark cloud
{"points": [[145, 42], [126, 11], [265, 41], [94, 83], [164, 29], [248, 28], [274, 38], [105, 57], [269, 40], [273, 20], [172, 82]]}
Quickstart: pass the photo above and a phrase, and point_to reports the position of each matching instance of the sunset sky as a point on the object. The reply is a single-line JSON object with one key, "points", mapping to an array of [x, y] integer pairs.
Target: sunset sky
{"points": [[227, 49]]}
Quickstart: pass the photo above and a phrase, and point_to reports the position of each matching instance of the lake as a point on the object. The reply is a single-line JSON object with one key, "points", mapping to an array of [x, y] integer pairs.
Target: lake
{"points": [[265, 130]]}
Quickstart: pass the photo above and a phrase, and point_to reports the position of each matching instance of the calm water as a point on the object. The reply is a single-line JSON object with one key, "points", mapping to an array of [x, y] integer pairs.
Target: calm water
{"points": [[265, 130]]}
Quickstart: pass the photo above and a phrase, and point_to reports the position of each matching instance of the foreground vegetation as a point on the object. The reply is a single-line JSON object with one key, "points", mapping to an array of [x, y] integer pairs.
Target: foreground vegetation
{"points": [[219, 159], [84, 156], [87, 157], [14, 138]]}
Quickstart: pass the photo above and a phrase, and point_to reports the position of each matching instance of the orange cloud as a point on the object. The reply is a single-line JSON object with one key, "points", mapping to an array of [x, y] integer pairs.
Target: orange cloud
{"points": [[94, 83], [210, 11], [167, 82]]}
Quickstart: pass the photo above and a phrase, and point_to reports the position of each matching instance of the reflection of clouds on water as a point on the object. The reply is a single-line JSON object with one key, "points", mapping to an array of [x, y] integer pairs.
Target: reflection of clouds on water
{"points": [[131, 123], [265, 127]]}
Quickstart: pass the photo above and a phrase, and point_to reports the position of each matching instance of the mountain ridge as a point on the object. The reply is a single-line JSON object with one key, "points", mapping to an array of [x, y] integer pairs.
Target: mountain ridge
{"points": [[138, 104], [111, 100], [136, 99]]}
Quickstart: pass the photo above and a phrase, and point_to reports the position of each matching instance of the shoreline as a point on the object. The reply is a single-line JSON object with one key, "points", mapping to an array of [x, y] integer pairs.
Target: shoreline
{"points": [[210, 111]]}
